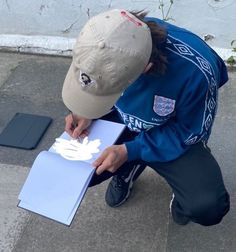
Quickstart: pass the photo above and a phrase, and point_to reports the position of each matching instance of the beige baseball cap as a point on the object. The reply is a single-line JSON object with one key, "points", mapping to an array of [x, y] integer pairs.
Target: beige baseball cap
{"points": [[111, 52]]}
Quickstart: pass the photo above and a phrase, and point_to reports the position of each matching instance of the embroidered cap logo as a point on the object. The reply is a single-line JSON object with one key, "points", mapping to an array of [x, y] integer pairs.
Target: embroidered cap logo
{"points": [[85, 79]]}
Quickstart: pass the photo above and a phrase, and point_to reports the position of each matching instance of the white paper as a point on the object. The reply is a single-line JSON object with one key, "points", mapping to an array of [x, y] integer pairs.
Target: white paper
{"points": [[56, 186], [55, 183]]}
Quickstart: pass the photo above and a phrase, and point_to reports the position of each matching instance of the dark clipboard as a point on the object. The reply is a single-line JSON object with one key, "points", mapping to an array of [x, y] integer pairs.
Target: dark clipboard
{"points": [[24, 131]]}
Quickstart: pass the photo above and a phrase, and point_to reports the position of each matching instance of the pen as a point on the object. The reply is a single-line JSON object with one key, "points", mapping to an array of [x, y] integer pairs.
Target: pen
{"points": [[74, 125]]}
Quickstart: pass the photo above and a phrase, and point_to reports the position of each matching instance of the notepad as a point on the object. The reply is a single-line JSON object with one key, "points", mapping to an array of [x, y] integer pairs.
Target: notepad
{"points": [[57, 183]]}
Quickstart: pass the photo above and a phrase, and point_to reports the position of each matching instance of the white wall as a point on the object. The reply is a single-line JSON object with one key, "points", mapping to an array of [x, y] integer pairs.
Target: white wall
{"points": [[66, 17]]}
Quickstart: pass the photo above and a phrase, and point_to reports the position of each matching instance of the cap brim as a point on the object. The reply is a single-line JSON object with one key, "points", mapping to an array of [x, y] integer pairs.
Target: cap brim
{"points": [[83, 103]]}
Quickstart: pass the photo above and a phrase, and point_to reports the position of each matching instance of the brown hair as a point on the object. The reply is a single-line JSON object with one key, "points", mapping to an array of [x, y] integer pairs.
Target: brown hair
{"points": [[158, 34]]}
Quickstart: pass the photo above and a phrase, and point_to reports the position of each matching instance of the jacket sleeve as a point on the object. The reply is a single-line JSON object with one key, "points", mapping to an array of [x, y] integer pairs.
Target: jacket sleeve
{"points": [[190, 125]]}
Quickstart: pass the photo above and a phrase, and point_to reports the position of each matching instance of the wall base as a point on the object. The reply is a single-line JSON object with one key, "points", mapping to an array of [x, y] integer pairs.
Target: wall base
{"points": [[60, 46]]}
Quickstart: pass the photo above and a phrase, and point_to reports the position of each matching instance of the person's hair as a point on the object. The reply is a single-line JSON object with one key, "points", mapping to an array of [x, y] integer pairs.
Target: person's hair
{"points": [[158, 34]]}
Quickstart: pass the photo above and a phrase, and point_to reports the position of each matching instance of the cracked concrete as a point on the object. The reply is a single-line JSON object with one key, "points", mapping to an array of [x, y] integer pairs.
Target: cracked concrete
{"points": [[8, 5], [67, 30], [50, 19], [12, 219], [8, 64]]}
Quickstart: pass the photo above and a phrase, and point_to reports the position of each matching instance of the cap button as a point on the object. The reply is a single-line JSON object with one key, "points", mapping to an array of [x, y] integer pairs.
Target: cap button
{"points": [[101, 45]]}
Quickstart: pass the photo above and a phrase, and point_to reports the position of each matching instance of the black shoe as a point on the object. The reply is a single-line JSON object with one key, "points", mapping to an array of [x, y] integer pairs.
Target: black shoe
{"points": [[178, 218], [119, 188]]}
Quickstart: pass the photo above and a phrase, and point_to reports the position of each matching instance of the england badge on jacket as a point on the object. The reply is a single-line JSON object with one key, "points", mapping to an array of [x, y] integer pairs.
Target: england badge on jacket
{"points": [[163, 106]]}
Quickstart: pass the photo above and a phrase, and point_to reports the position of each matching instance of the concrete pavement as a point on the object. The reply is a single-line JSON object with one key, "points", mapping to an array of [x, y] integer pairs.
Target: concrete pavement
{"points": [[32, 84]]}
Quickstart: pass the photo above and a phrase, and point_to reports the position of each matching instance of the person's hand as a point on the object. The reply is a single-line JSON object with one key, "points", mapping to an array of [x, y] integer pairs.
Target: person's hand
{"points": [[111, 159], [76, 126]]}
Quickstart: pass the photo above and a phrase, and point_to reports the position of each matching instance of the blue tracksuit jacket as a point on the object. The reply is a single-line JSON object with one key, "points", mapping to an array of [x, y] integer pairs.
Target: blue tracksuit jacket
{"points": [[177, 109]]}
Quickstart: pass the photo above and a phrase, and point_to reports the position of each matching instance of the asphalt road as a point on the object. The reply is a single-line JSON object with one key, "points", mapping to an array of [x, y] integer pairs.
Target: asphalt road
{"points": [[32, 84]]}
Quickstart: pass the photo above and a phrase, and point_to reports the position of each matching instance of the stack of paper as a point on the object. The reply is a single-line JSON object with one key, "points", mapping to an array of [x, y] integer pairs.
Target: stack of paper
{"points": [[57, 183]]}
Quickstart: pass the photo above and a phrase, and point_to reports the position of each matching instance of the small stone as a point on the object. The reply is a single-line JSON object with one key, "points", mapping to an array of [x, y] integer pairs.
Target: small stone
{"points": [[101, 45], [208, 37]]}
